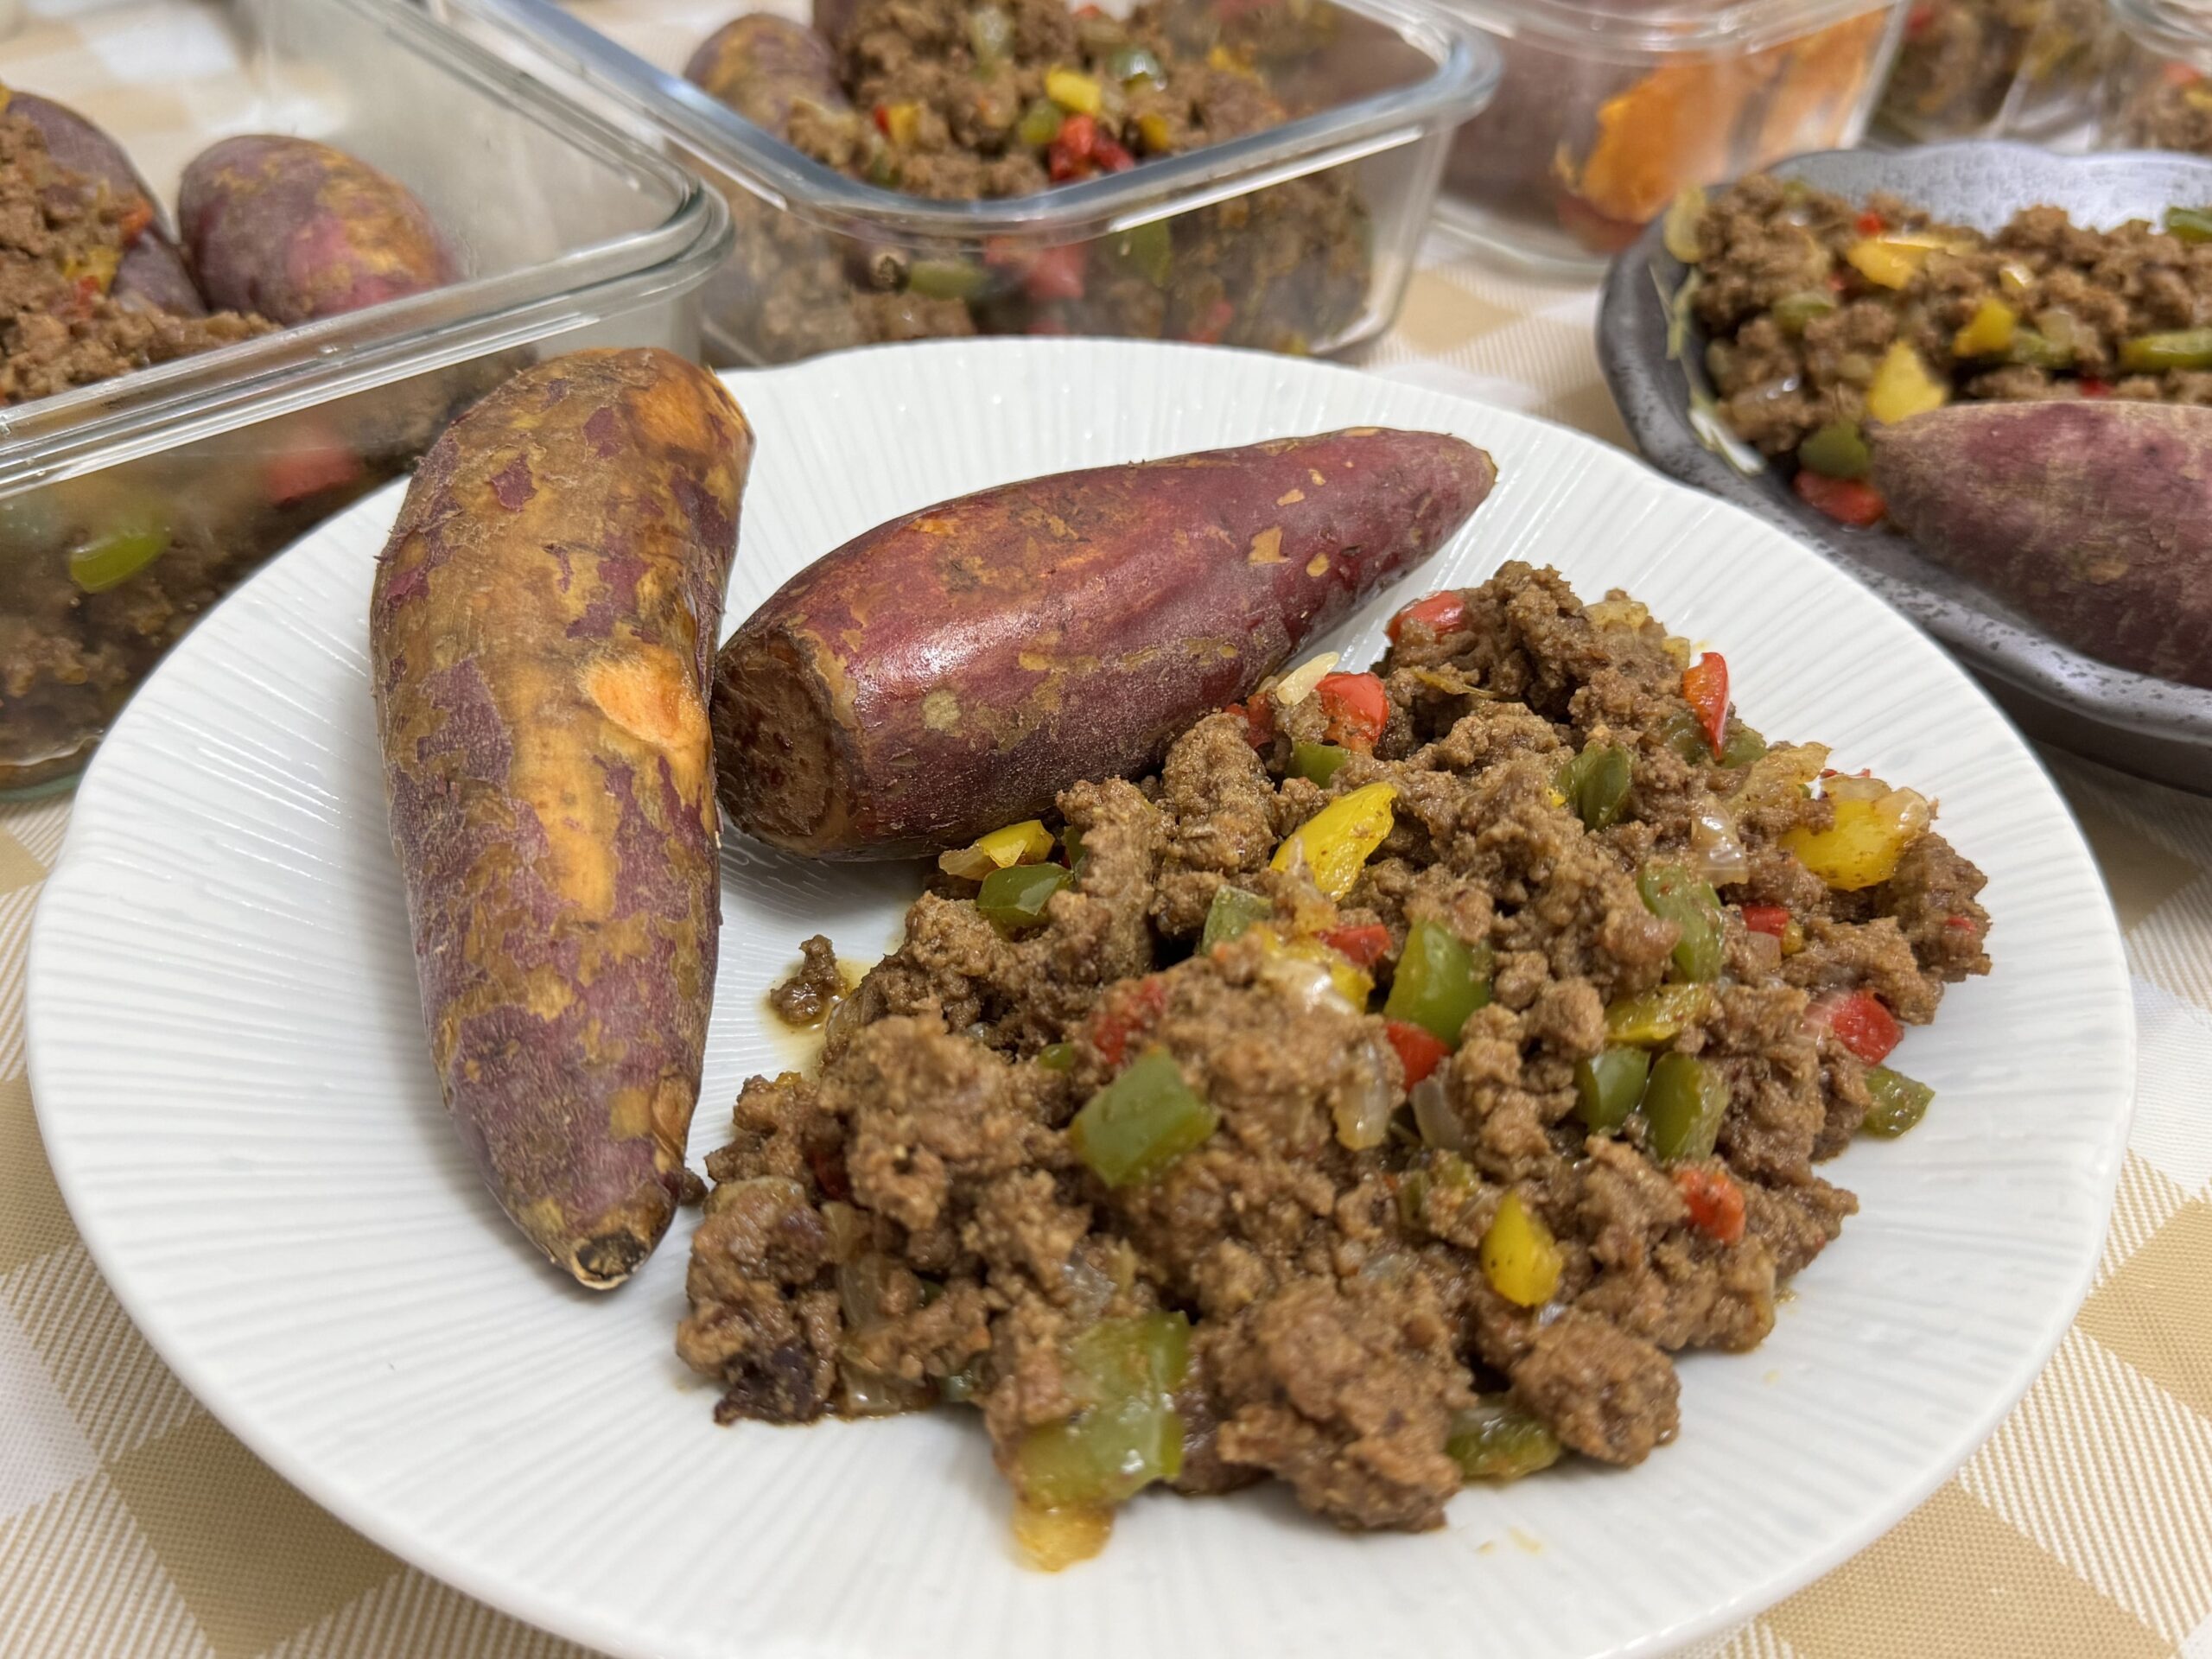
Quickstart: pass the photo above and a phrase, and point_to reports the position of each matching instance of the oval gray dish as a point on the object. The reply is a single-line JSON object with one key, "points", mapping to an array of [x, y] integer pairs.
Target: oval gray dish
{"points": [[2151, 727]]}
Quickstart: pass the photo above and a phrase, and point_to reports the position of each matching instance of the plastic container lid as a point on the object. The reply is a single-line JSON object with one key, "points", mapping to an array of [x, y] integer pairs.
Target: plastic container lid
{"points": [[1605, 28], [2177, 26]]}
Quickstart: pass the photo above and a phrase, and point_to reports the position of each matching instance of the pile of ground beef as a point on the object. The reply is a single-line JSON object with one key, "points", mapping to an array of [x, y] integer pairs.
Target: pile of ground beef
{"points": [[917, 1224], [62, 237], [1964, 64], [2170, 108], [1282, 268], [1764, 243]]}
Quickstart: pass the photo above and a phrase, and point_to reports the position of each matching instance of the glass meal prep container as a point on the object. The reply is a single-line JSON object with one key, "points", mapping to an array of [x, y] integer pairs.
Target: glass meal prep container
{"points": [[128, 506], [1609, 108], [1296, 239], [2157, 94], [1997, 68]]}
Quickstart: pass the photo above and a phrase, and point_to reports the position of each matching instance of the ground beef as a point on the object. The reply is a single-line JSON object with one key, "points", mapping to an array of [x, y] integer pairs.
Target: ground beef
{"points": [[1766, 244], [924, 1221], [2170, 108], [1967, 65], [815, 987], [1283, 268]]}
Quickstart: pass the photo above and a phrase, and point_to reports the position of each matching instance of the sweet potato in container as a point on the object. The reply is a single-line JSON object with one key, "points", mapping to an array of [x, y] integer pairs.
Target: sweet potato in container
{"points": [[951, 671], [542, 629], [2094, 517]]}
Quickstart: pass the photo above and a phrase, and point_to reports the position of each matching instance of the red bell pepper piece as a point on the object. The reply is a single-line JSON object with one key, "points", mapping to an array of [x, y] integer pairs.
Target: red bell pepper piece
{"points": [[1361, 946], [1871, 223], [1357, 707], [2093, 387], [1705, 687], [1127, 1009], [1209, 330], [1851, 501], [1112, 155], [1439, 612], [1420, 1050], [1772, 920], [1716, 1203], [1860, 1023], [1258, 716], [315, 463], [1056, 273]]}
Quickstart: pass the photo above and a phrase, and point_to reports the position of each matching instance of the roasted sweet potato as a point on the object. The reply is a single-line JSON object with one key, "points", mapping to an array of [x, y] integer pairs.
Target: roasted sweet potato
{"points": [[152, 275], [2094, 519], [761, 64], [296, 231], [954, 669], [541, 629]]}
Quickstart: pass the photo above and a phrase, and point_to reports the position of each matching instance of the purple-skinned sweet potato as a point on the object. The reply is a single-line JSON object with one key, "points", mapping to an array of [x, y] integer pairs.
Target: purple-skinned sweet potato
{"points": [[296, 231], [542, 630], [761, 64], [2092, 517], [152, 274], [951, 671]]}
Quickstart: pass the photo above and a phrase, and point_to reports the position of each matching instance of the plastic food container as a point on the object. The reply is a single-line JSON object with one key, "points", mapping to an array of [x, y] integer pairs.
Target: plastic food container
{"points": [[128, 507], [1297, 239], [1609, 108], [2158, 95], [1997, 68]]}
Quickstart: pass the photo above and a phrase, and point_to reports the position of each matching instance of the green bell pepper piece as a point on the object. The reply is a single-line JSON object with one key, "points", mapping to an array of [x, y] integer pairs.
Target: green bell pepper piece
{"points": [[2189, 223], [1608, 1085], [1596, 785], [1441, 980], [1837, 450], [1673, 892], [1142, 1121], [1683, 1105], [1495, 1440], [1899, 1102], [118, 552], [2186, 348], [946, 279], [1057, 1057], [1743, 746], [1016, 896], [1232, 910], [1128, 1434], [1657, 1017], [1039, 124], [1318, 762], [1792, 311]]}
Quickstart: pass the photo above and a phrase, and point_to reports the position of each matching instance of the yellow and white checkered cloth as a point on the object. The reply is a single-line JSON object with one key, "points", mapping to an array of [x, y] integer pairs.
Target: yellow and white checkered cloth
{"points": [[133, 1526]]}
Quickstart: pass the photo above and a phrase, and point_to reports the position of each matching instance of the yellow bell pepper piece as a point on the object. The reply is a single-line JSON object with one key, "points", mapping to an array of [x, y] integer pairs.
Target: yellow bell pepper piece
{"points": [[1873, 825], [1026, 842], [1988, 333], [1073, 90], [902, 122], [1894, 259], [1520, 1257], [1902, 385], [1352, 982], [1333, 844], [1152, 128]]}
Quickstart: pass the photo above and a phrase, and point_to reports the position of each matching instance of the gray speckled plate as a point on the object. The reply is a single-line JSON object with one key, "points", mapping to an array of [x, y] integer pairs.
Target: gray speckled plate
{"points": [[2147, 726]]}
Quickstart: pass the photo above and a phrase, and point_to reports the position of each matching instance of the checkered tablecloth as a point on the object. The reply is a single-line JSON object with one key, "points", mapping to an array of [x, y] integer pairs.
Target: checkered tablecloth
{"points": [[133, 1526]]}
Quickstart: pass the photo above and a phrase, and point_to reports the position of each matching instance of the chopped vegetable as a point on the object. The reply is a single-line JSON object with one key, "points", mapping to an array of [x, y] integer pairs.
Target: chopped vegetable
{"points": [[1903, 385], [1148, 249], [2187, 348], [946, 279], [1988, 333], [1673, 892], [2037, 350], [1608, 1084], [2189, 223], [990, 34], [1683, 733], [1336, 842], [1057, 1057], [1127, 1009], [898, 122], [1258, 718], [1056, 273], [1520, 1257], [1073, 90], [1439, 612], [1678, 233], [1771, 919], [1899, 1102], [311, 462], [1792, 311], [1441, 1171], [1016, 896], [1419, 1051], [1837, 450], [1361, 946], [1233, 910], [1357, 708], [1039, 124], [1683, 1108], [1159, 138], [1318, 762], [1657, 1017], [1141, 1122], [119, 552], [1894, 259], [1495, 1440], [1847, 500], [1052, 1540], [1705, 688], [1134, 63], [1440, 981], [1026, 842], [1716, 1203], [1860, 1023], [1294, 687], [1744, 745], [1873, 825], [1128, 1434], [1596, 785]]}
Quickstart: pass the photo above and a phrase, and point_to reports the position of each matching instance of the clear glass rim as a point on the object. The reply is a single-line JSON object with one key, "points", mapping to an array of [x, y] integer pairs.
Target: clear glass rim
{"points": [[153, 409], [1679, 28], [1464, 78], [2171, 25]]}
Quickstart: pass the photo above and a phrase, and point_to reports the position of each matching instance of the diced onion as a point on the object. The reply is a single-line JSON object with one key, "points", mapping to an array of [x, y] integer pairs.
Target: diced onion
{"points": [[1366, 1098], [1716, 853], [1297, 685], [1437, 1120]]}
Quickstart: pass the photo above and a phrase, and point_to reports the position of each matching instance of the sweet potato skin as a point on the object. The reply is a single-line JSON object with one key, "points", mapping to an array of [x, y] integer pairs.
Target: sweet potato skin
{"points": [[297, 230], [541, 630], [2094, 519], [760, 65], [952, 670], [152, 274]]}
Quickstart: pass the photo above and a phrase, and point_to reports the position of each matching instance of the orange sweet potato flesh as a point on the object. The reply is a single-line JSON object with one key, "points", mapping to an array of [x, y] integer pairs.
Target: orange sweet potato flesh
{"points": [[953, 671], [2093, 517], [542, 630]]}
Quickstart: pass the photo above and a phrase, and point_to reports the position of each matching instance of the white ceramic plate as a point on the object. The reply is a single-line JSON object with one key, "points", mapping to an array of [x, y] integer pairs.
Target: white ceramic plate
{"points": [[232, 1080]]}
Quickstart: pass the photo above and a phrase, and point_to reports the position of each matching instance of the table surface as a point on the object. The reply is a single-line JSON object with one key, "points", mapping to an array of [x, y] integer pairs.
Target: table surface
{"points": [[132, 1525]]}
